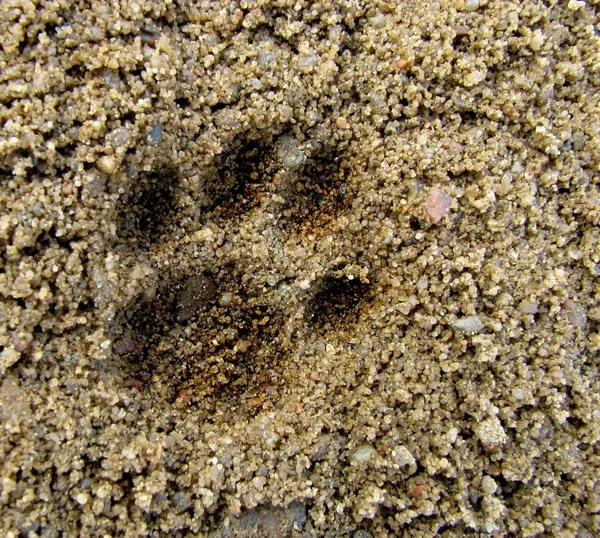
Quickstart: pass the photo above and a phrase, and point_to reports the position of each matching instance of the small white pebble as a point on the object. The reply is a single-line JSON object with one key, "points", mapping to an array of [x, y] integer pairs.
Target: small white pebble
{"points": [[363, 453], [403, 457], [576, 314], [537, 41], [528, 307], [304, 284], [423, 282], [255, 83], [107, 164], [518, 394], [119, 138], [82, 498], [290, 154], [266, 58], [488, 485], [452, 435], [471, 324], [143, 500], [308, 62], [471, 5]]}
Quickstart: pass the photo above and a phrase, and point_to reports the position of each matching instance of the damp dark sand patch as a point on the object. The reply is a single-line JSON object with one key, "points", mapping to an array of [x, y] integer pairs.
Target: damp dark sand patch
{"points": [[203, 341]]}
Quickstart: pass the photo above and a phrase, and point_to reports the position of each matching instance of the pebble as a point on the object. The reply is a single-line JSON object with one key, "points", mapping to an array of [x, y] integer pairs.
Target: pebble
{"points": [[471, 324], [342, 123], [8, 357], [403, 457], [528, 307], [290, 154], [537, 41], [82, 498], [363, 453], [488, 485], [437, 205], [156, 134], [576, 314], [197, 292], [304, 284], [120, 138], [225, 299], [107, 164], [491, 432], [380, 100], [307, 62]]}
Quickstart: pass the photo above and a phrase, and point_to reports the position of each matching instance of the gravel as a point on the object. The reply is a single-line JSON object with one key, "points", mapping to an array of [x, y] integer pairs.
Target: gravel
{"points": [[299, 268]]}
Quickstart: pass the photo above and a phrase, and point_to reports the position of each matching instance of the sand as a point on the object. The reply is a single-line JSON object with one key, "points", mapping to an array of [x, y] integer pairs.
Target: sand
{"points": [[291, 268]]}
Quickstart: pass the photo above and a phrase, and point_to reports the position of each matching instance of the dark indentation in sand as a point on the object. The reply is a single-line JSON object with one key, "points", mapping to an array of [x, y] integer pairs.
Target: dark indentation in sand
{"points": [[182, 102], [468, 116], [44, 240], [75, 74], [353, 30], [337, 299], [319, 192], [197, 293], [461, 42], [414, 223], [127, 118], [509, 490], [218, 106], [241, 176], [270, 521], [202, 340], [148, 210]]}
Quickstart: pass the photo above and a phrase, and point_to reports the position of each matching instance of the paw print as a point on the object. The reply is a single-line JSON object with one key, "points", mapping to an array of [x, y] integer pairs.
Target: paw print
{"points": [[211, 334]]}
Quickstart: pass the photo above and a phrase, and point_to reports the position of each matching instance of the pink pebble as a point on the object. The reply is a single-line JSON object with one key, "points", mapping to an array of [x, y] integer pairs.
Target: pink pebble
{"points": [[437, 205]]}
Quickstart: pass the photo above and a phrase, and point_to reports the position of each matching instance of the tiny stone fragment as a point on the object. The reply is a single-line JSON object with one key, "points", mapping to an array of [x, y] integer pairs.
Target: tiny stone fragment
{"points": [[363, 453], [197, 291], [107, 164], [437, 205], [528, 307], [156, 134], [470, 324], [342, 123], [491, 432], [488, 485], [403, 457], [8, 357], [576, 314]]}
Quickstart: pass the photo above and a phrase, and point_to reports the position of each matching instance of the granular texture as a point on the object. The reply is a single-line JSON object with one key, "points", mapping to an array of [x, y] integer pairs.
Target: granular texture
{"points": [[299, 268]]}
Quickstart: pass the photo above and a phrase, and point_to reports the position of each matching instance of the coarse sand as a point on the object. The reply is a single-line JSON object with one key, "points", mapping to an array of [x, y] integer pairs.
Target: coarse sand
{"points": [[299, 268]]}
